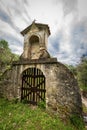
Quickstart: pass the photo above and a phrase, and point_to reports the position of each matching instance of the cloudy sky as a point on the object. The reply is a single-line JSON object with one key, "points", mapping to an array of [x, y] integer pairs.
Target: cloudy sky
{"points": [[67, 20]]}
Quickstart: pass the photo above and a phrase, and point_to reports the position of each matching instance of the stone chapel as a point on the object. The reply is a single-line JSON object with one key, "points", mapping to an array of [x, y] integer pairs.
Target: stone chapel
{"points": [[37, 76]]}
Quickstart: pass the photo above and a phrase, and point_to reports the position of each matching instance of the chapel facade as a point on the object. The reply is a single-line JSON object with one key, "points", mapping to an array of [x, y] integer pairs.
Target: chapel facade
{"points": [[38, 77]]}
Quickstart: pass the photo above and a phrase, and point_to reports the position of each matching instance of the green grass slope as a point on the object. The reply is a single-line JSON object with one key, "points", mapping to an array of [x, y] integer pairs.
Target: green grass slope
{"points": [[18, 116]]}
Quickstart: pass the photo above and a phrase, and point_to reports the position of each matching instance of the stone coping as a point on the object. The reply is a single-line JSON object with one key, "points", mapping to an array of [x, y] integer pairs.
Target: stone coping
{"points": [[35, 61]]}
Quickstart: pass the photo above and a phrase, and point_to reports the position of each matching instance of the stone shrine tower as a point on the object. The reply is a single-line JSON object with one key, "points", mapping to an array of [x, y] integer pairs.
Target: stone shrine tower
{"points": [[35, 41], [37, 77]]}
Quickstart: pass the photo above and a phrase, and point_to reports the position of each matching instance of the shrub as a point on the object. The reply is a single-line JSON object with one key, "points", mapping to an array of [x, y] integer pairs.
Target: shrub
{"points": [[77, 121], [42, 104]]}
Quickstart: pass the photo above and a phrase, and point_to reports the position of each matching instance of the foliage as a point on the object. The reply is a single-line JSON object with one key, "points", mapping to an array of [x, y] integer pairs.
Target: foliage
{"points": [[82, 73], [6, 57], [72, 69], [24, 101], [42, 104], [4, 44], [18, 116], [77, 122]]}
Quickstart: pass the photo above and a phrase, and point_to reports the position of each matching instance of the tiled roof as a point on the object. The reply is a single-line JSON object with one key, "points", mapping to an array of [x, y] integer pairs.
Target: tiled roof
{"points": [[39, 25]]}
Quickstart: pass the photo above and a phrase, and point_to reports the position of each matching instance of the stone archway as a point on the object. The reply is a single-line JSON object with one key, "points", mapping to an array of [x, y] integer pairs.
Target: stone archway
{"points": [[33, 86]]}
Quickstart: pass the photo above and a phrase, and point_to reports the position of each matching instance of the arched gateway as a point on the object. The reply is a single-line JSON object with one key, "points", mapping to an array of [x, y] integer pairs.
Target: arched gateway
{"points": [[33, 86]]}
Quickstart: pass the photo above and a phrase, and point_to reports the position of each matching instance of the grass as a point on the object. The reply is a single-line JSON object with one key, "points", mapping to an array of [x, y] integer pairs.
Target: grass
{"points": [[84, 88], [19, 116]]}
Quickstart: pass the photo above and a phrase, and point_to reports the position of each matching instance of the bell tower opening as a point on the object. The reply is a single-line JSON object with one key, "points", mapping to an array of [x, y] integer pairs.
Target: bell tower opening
{"points": [[34, 39], [34, 46]]}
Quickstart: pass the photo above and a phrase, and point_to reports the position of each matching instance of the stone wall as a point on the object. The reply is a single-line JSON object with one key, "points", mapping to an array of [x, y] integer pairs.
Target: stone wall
{"points": [[62, 91], [9, 84], [63, 94]]}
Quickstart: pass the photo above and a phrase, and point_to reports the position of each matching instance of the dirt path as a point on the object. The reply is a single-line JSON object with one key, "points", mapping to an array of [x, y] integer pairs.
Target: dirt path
{"points": [[84, 101]]}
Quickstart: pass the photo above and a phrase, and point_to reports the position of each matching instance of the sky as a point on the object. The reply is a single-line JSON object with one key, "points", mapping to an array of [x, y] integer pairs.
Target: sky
{"points": [[67, 20]]}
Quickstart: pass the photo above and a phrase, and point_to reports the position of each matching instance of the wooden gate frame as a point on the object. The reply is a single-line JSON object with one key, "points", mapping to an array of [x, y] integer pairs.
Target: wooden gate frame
{"points": [[33, 86]]}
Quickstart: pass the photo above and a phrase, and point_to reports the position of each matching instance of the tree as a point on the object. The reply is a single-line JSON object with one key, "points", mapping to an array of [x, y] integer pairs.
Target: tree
{"points": [[5, 52], [82, 73], [6, 56], [73, 69], [4, 44]]}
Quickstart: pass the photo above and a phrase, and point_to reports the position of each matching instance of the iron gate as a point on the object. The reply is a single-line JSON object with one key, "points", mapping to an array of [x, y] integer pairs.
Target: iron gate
{"points": [[33, 86]]}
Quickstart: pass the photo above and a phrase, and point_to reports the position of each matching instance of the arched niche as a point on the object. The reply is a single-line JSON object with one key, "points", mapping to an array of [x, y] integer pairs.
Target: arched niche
{"points": [[34, 46]]}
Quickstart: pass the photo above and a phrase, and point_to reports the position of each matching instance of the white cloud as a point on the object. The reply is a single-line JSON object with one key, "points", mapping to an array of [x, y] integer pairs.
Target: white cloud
{"points": [[46, 12], [82, 8], [16, 49], [65, 18]]}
